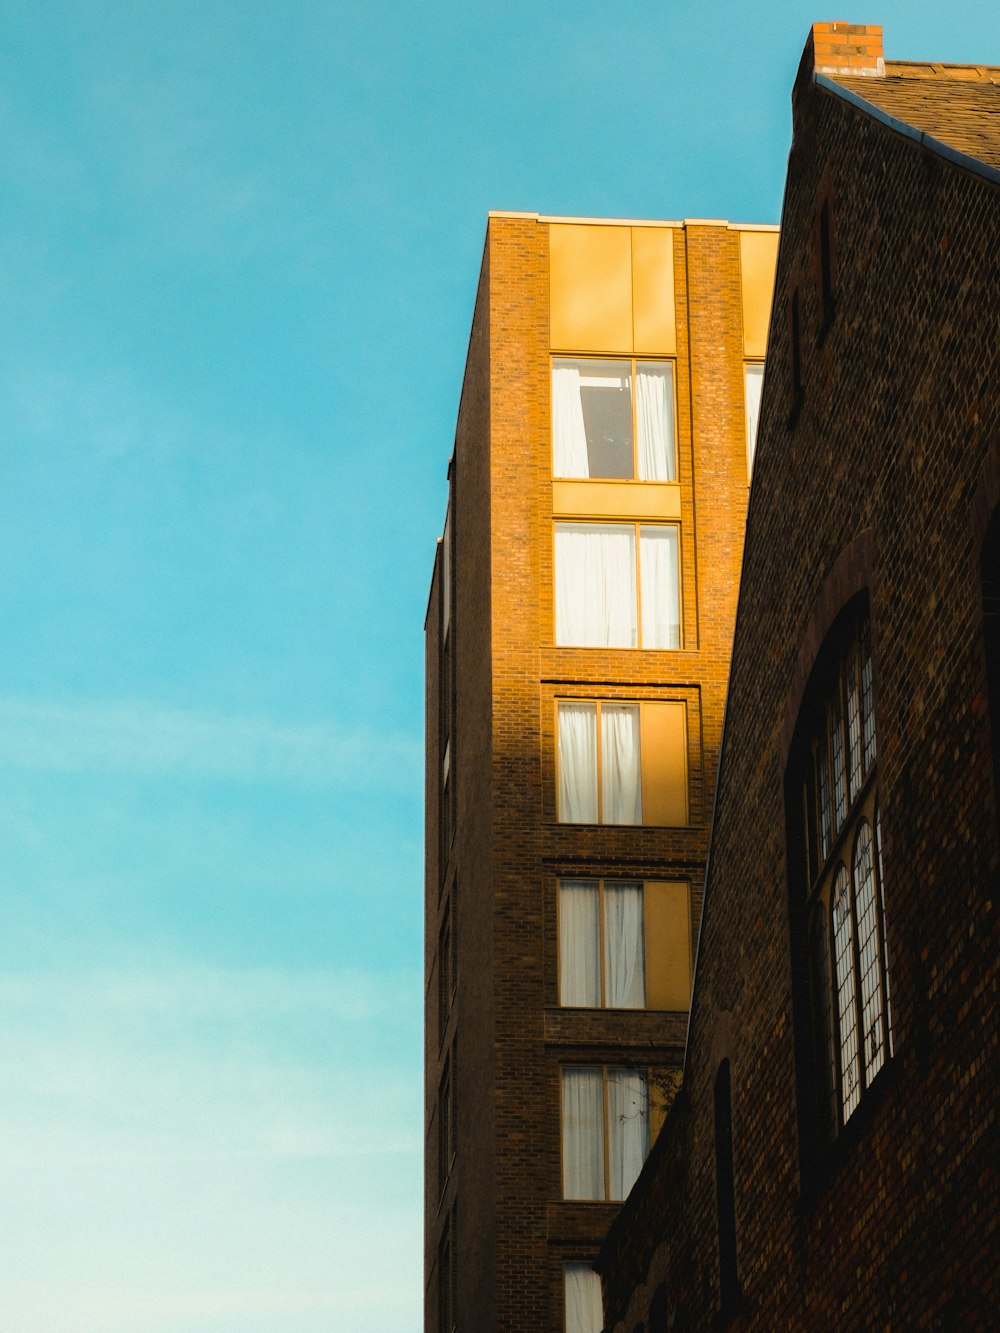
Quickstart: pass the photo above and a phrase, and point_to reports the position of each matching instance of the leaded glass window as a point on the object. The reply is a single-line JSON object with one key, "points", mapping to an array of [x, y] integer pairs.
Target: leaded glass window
{"points": [[845, 926]]}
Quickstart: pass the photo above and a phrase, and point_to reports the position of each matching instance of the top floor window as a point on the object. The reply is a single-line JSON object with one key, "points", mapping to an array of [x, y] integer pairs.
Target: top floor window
{"points": [[613, 419]]}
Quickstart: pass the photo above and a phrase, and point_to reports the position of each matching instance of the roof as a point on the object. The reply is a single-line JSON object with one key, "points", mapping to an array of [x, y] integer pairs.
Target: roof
{"points": [[957, 105]]}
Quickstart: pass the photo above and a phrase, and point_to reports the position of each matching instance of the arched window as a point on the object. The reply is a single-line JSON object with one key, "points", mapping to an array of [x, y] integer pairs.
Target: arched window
{"points": [[843, 903]]}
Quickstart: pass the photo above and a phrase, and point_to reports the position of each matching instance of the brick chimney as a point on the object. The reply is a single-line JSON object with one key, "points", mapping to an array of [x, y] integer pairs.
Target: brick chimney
{"points": [[837, 48], [843, 48]]}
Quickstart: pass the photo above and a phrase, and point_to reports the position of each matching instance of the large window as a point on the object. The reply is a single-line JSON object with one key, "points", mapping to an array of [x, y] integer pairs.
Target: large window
{"points": [[600, 428], [618, 585], [845, 906], [622, 763], [605, 1130], [582, 1298], [624, 944]]}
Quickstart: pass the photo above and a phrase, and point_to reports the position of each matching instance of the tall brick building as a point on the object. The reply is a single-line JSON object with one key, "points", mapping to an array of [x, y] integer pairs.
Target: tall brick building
{"points": [[578, 640], [830, 1161]]}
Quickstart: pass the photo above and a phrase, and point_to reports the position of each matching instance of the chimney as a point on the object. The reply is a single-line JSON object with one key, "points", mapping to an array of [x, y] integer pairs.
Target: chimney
{"points": [[843, 48]]}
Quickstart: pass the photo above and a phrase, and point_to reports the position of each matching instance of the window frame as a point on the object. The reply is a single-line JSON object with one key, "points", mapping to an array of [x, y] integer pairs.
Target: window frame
{"points": [[633, 363], [578, 1264], [752, 364], [648, 774], [636, 525], [835, 784], [665, 902], [606, 1071]]}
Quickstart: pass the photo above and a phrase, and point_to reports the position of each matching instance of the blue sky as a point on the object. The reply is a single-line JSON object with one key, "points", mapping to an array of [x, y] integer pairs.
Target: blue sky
{"points": [[239, 243]]}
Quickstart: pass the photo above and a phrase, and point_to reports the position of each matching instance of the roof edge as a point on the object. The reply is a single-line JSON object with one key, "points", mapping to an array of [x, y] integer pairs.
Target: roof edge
{"points": [[972, 164]]}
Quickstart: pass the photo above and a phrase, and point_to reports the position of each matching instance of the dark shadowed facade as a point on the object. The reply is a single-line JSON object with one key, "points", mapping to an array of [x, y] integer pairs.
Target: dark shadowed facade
{"points": [[830, 1160]]}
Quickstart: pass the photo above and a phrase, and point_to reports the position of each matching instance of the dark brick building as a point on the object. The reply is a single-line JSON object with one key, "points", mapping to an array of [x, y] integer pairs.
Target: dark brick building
{"points": [[578, 638], [830, 1160]]}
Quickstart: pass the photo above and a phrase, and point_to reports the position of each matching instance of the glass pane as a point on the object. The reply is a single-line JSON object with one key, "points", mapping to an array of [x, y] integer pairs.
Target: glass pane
{"points": [[579, 944], [819, 955], [660, 584], [628, 1128], [595, 585], [839, 763], [621, 774], [754, 383], [853, 683], [583, 1133], [654, 418], [869, 953], [867, 704], [592, 419], [847, 1019], [577, 763], [624, 953], [584, 1305]]}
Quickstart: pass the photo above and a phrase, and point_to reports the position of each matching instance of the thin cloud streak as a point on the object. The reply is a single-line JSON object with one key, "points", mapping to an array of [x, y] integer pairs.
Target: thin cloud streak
{"points": [[148, 740]]}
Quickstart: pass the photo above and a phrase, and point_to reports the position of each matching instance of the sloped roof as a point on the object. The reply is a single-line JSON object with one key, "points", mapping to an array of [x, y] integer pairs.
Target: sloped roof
{"points": [[958, 105]]}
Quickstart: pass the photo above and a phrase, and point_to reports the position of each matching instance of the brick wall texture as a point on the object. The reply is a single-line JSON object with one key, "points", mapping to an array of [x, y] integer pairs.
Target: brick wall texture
{"points": [[881, 477], [503, 1033]]}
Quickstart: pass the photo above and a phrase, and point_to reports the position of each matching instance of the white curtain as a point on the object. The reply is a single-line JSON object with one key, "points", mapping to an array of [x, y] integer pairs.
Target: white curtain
{"points": [[569, 434], [654, 418], [754, 381], [621, 775], [595, 585], [661, 593], [624, 962], [628, 1116], [579, 944], [584, 1303], [583, 1133], [577, 763]]}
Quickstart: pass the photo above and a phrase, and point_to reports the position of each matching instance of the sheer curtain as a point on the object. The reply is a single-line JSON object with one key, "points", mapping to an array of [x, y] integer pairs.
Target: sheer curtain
{"points": [[595, 585], [624, 961], [583, 1133], [584, 1303], [577, 763], [569, 434], [579, 944], [661, 594], [654, 418], [621, 778], [628, 1115], [754, 381]]}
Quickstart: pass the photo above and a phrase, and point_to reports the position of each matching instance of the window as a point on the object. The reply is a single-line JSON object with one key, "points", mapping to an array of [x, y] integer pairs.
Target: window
{"points": [[753, 375], [601, 429], [605, 1130], [618, 585], [582, 1297], [624, 944], [622, 763], [845, 903]]}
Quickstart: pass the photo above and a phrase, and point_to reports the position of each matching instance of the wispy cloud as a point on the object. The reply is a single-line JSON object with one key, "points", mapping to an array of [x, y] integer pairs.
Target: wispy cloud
{"points": [[195, 1150], [147, 739]]}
